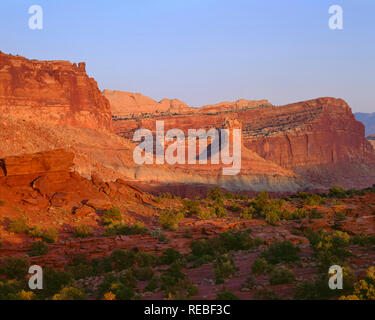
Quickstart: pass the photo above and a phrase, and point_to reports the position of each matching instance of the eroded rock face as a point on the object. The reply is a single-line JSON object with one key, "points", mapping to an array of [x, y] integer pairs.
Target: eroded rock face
{"points": [[57, 92], [125, 105], [320, 140]]}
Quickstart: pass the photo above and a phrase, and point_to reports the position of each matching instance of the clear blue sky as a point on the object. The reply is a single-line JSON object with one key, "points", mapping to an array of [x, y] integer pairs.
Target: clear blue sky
{"points": [[206, 51]]}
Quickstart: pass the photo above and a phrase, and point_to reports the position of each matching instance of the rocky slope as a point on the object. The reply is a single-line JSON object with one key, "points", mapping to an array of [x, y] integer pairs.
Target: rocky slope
{"points": [[57, 92]]}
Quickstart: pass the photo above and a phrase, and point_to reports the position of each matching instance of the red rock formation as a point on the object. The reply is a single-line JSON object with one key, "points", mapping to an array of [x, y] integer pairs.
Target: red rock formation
{"points": [[129, 105], [56, 92], [318, 139]]}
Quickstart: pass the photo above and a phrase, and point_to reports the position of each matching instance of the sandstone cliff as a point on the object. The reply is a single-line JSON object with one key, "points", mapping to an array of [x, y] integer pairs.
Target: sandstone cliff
{"points": [[57, 92]]}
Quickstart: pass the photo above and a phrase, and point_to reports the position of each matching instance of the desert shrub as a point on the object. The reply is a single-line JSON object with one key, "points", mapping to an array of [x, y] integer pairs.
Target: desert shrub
{"points": [[169, 256], [247, 213], [216, 195], [9, 289], [69, 293], [337, 192], [80, 267], [265, 294], [282, 276], [83, 231], [38, 248], [49, 235], [311, 199], [128, 278], [54, 281], [175, 283], [249, 283], [117, 286], [15, 268], [363, 240], [234, 207], [205, 250], [191, 207], [225, 294], [2, 203], [319, 289], [152, 285], [19, 225], [143, 273], [23, 295], [335, 242], [122, 259], [281, 251], [207, 214], [101, 265], [218, 211], [271, 210], [165, 195], [170, 219], [144, 259], [112, 215], [314, 214], [224, 267], [259, 266], [364, 289], [120, 228], [299, 213]]}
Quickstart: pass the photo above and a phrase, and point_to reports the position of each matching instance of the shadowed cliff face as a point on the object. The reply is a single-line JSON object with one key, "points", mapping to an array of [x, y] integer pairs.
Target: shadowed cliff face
{"points": [[56, 92]]}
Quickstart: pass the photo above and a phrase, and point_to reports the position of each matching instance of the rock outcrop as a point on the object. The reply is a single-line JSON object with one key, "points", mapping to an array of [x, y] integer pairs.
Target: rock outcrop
{"points": [[57, 92], [125, 105], [319, 140]]}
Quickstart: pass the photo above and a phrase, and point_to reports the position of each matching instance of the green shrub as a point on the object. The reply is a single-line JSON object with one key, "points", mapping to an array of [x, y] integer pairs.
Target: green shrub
{"points": [[224, 268], [19, 225], [38, 248], [282, 276], [54, 281], [218, 211], [363, 240], [143, 273], [234, 207], [216, 195], [112, 215], [329, 247], [15, 268], [259, 266], [247, 213], [69, 293], [225, 294], [49, 235], [170, 219], [191, 207], [122, 259], [281, 251], [83, 231], [119, 228], [169, 256], [249, 283], [9, 289], [337, 192]]}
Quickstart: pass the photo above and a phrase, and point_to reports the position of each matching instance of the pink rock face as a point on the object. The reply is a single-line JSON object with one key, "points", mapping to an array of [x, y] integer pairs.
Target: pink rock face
{"points": [[57, 92]]}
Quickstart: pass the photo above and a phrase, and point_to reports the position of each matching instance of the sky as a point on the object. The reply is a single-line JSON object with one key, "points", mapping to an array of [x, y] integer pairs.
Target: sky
{"points": [[206, 51]]}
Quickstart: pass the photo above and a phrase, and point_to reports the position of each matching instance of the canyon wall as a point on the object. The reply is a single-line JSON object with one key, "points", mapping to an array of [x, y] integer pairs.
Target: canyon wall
{"points": [[57, 92]]}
